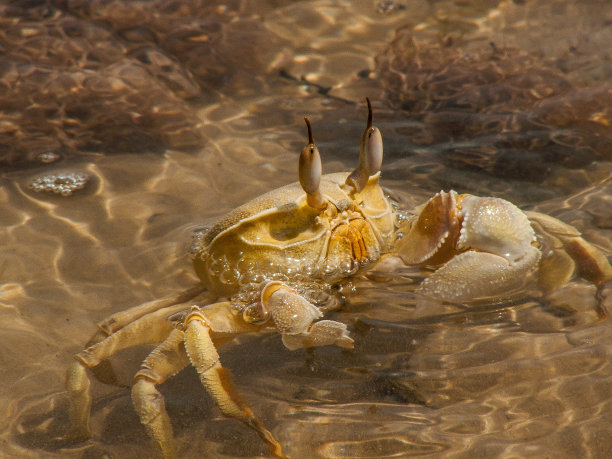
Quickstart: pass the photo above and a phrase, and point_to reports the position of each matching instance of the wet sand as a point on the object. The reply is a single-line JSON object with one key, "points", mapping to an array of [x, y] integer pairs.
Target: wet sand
{"points": [[176, 122]]}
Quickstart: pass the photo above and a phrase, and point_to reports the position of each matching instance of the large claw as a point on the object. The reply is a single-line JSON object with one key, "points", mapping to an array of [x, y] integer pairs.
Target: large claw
{"points": [[484, 246], [496, 226], [432, 237], [475, 274]]}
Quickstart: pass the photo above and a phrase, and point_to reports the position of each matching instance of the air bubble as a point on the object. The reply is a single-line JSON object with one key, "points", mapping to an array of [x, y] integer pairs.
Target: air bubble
{"points": [[256, 278], [402, 217], [311, 271], [64, 183], [229, 276], [48, 157], [267, 266], [218, 265], [278, 277], [329, 269], [349, 268], [245, 265], [251, 315], [197, 244], [237, 308]]}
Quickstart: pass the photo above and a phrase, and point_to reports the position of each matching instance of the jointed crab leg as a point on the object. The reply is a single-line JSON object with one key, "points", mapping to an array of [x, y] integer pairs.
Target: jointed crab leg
{"points": [[122, 318], [164, 361], [104, 371], [204, 357], [151, 328], [77, 385]]}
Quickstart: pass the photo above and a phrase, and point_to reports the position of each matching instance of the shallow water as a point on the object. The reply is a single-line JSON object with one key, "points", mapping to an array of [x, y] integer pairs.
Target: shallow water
{"points": [[179, 120]]}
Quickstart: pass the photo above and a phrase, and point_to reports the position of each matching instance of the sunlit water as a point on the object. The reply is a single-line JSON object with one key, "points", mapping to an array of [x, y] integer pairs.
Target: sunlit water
{"points": [[176, 121]]}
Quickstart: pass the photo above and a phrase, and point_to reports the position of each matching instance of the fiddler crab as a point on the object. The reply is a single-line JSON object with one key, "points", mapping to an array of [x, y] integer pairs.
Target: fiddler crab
{"points": [[271, 257]]}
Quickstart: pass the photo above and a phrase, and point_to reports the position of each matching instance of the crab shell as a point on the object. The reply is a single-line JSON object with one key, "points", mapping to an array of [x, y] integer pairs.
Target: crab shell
{"points": [[278, 233]]}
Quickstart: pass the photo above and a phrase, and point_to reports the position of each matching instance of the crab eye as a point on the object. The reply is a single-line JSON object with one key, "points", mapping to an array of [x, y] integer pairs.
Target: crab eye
{"points": [[372, 151], [370, 155], [310, 170]]}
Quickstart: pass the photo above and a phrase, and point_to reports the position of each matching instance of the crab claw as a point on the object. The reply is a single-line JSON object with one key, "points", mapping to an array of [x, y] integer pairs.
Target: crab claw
{"points": [[293, 317], [309, 172], [370, 155], [432, 237], [483, 244]]}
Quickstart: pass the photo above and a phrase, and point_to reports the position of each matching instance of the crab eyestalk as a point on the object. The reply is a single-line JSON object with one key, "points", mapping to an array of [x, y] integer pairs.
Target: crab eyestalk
{"points": [[370, 155], [309, 172]]}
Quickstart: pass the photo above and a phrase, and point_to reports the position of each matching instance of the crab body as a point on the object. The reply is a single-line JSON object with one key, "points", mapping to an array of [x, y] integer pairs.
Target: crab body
{"points": [[279, 235]]}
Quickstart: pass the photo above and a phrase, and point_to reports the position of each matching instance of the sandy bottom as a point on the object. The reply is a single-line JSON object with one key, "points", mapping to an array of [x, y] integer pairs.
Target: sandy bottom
{"points": [[495, 98]]}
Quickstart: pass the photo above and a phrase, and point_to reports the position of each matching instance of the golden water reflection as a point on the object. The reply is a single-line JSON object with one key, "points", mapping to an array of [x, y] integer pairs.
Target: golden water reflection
{"points": [[179, 120]]}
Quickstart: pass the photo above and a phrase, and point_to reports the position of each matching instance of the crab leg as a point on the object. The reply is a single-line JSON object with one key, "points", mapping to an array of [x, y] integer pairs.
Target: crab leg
{"points": [[570, 252], [122, 318], [151, 328], [205, 358], [104, 371], [164, 361]]}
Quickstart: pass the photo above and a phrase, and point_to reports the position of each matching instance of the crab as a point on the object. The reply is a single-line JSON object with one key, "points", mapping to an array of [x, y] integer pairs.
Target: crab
{"points": [[271, 260]]}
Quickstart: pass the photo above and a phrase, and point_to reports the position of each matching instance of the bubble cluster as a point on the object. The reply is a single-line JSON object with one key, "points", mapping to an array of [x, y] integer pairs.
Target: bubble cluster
{"points": [[64, 183], [403, 217], [221, 268], [388, 6], [196, 245]]}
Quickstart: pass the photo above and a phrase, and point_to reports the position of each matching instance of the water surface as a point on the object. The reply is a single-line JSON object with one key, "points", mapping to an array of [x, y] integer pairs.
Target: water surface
{"points": [[198, 109]]}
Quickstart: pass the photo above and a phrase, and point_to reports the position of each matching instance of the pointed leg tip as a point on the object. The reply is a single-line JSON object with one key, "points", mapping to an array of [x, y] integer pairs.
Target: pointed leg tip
{"points": [[276, 449], [346, 343]]}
